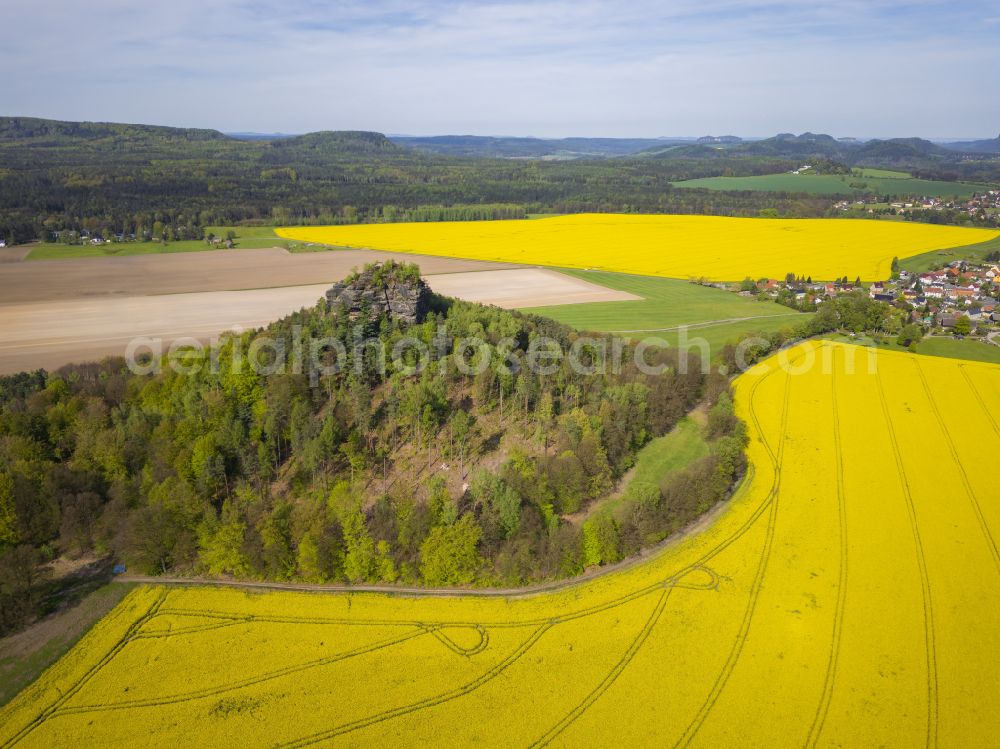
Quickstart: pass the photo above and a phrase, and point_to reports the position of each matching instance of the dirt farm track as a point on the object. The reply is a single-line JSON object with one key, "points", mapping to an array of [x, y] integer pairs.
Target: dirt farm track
{"points": [[61, 311]]}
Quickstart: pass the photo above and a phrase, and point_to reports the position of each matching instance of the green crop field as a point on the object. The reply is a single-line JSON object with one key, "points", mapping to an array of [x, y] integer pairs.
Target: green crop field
{"points": [[679, 312], [869, 182], [247, 238], [717, 335], [939, 258], [666, 304], [963, 348], [887, 173], [951, 348]]}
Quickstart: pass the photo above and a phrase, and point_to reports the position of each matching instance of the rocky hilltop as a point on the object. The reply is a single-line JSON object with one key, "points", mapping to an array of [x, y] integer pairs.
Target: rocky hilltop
{"points": [[392, 290]]}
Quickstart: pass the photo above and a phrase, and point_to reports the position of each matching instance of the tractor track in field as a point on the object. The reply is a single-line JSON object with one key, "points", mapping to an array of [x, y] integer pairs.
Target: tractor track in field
{"points": [[925, 584], [829, 679], [707, 323], [963, 474], [772, 503]]}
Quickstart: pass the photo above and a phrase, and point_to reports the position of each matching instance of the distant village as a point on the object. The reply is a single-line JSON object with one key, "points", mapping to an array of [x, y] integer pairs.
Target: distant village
{"points": [[978, 207], [961, 298]]}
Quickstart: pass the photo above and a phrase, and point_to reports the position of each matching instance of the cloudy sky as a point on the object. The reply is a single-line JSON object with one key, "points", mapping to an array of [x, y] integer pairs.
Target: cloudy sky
{"points": [[865, 68]]}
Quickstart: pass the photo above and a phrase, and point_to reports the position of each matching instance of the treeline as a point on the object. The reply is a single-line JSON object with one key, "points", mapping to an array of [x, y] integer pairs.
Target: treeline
{"points": [[420, 213], [170, 227], [437, 478]]}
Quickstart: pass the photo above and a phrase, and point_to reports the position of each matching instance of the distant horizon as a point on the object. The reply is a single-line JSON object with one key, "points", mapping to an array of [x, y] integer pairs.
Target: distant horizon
{"points": [[459, 134]]}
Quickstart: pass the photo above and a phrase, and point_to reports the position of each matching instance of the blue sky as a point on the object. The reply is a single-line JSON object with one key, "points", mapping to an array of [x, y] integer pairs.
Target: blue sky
{"points": [[546, 67]]}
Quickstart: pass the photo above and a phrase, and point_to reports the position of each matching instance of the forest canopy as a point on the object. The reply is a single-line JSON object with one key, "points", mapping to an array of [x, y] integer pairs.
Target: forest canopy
{"points": [[366, 474]]}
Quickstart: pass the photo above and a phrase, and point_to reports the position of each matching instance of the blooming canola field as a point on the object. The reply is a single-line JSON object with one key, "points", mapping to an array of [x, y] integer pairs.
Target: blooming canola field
{"points": [[846, 596], [716, 247]]}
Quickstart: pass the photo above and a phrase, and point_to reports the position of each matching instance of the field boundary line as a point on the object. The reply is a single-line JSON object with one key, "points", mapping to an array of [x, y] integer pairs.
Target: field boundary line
{"points": [[708, 323], [925, 583], [528, 591], [89, 673]]}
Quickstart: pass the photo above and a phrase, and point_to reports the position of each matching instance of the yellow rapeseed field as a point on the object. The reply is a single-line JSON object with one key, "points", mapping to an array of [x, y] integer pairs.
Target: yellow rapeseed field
{"points": [[716, 247], [847, 596]]}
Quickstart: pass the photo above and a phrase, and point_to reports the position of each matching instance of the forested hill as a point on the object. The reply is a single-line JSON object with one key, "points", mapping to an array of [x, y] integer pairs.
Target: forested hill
{"points": [[436, 477], [913, 154], [121, 179], [991, 145], [42, 133]]}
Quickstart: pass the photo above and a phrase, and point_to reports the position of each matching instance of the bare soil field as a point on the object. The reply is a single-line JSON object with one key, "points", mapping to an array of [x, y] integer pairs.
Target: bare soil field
{"points": [[14, 254], [141, 275], [524, 287], [50, 332]]}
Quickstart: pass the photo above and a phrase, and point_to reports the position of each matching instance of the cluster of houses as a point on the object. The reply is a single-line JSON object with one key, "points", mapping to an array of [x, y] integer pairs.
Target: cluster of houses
{"points": [[68, 236], [934, 298], [961, 288], [986, 203], [802, 291]]}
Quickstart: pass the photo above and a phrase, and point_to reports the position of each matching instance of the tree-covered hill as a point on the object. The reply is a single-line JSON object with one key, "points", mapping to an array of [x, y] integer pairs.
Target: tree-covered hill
{"points": [[990, 145], [39, 132], [917, 155], [121, 179], [294, 471]]}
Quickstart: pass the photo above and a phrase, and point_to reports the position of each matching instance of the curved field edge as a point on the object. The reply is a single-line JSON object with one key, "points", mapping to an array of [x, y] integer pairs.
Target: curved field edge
{"points": [[676, 557], [24, 656], [671, 246], [925, 261], [942, 347]]}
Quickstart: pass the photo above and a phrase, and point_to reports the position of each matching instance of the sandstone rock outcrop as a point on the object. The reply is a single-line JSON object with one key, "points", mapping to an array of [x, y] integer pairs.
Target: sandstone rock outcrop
{"points": [[393, 290]]}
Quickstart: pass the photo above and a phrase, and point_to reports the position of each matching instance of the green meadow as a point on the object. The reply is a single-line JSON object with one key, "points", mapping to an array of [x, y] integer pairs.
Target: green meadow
{"points": [[939, 258], [679, 312], [869, 181], [970, 349]]}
